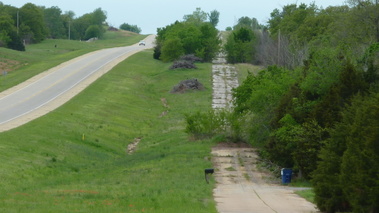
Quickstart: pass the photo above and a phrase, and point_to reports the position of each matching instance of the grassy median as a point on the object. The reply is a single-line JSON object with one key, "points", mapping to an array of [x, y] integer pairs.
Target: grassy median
{"points": [[75, 158]]}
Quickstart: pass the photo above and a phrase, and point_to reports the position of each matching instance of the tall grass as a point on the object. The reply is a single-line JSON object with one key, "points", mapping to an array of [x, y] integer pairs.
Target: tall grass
{"points": [[74, 159]]}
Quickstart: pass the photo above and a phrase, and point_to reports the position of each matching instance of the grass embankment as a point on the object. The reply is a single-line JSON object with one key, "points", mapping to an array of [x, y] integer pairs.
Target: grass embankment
{"points": [[37, 58], [75, 159]]}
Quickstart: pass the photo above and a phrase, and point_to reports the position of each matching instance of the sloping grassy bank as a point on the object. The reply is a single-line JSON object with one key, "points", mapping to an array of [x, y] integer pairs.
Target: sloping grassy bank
{"points": [[75, 158], [52, 52]]}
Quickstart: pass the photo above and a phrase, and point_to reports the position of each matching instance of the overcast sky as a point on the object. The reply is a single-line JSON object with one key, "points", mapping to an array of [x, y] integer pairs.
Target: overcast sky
{"points": [[151, 14]]}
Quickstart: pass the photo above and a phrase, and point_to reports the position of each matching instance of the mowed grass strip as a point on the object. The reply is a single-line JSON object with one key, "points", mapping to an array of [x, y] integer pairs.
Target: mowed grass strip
{"points": [[37, 58], [75, 158]]}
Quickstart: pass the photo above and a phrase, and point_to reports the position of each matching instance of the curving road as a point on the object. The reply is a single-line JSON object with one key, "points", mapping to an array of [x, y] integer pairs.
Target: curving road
{"points": [[49, 90]]}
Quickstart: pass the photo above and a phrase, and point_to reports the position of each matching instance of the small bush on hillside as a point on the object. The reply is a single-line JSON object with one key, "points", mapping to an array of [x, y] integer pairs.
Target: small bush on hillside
{"points": [[205, 124], [220, 122], [190, 84], [183, 65]]}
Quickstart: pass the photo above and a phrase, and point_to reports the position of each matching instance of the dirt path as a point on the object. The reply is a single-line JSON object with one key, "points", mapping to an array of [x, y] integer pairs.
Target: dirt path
{"points": [[240, 187]]}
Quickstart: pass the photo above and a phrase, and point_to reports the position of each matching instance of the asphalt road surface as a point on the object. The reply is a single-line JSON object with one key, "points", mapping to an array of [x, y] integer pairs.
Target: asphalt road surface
{"points": [[19, 105]]}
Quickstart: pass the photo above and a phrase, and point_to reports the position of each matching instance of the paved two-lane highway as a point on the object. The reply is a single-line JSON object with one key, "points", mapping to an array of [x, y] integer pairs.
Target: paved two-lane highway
{"points": [[20, 106]]}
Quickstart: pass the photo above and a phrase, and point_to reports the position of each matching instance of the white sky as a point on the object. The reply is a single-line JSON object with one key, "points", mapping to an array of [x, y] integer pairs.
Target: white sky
{"points": [[151, 14]]}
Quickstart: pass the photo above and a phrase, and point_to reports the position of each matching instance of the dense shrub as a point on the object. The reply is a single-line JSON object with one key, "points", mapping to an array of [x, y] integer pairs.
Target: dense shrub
{"points": [[183, 38], [346, 178], [239, 46], [93, 31], [131, 28]]}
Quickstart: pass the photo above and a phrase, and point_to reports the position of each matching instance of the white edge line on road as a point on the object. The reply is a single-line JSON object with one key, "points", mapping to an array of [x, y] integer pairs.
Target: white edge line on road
{"points": [[82, 79]]}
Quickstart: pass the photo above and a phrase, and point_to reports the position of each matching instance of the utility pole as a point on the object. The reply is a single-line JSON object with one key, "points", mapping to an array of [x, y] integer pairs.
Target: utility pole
{"points": [[18, 21], [279, 47], [69, 30]]}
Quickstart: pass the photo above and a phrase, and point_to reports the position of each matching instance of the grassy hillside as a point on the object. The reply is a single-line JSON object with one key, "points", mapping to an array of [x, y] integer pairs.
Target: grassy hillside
{"points": [[75, 158], [43, 56]]}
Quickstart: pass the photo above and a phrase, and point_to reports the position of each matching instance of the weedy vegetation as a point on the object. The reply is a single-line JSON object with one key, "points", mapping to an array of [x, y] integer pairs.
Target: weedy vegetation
{"points": [[75, 158]]}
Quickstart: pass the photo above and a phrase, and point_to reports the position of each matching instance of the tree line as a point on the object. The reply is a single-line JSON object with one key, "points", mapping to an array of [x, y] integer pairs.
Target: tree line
{"points": [[32, 24], [314, 107], [196, 34]]}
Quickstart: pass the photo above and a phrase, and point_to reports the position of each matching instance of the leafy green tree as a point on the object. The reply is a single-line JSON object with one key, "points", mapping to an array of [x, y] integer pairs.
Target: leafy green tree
{"points": [[257, 98], [132, 28], [366, 11], [308, 142], [93, 31], [322, 72], [210, 43], [67, 19], [6, 26], [214, 17], [54, 22], [172, 49], [346, 178], [81, 24], [197, 17], [290, 19], [228, 29], [15, 43], [31, 16], [360, 161], [328, 188], [98, 17], [246, 22], [201, 40], [240, 46]]}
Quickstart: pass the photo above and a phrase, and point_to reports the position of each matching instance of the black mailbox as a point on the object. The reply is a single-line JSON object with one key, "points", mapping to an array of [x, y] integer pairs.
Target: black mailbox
{"points": [[207, 172]]}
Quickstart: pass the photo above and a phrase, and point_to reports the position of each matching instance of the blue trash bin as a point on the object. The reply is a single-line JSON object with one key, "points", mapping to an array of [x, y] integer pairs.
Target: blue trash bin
{"points": [[286, 175]]}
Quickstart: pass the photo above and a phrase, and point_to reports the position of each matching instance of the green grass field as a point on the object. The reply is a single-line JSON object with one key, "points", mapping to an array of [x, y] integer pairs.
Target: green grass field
{"points": [[75, 159], [43, 56]]}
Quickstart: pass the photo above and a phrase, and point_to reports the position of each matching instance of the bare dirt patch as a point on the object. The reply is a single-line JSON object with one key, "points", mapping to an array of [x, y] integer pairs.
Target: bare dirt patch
{"points": [[165, 105], [133, 146], [242, 188], [9, 65]]}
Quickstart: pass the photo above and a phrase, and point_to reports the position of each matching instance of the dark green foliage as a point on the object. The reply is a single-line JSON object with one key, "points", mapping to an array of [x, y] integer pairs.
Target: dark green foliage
{"points": [[197, 17], [132, 28], [32, 24], [214, 17], [370, 61], [257, 98], [31, 17], [15, 43], [89, 20], [240, 46], [54, 22], [93, 31], [327, 186], [360, 161], [347, 177], [249, 23], [172, 50], [182, 38]]}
